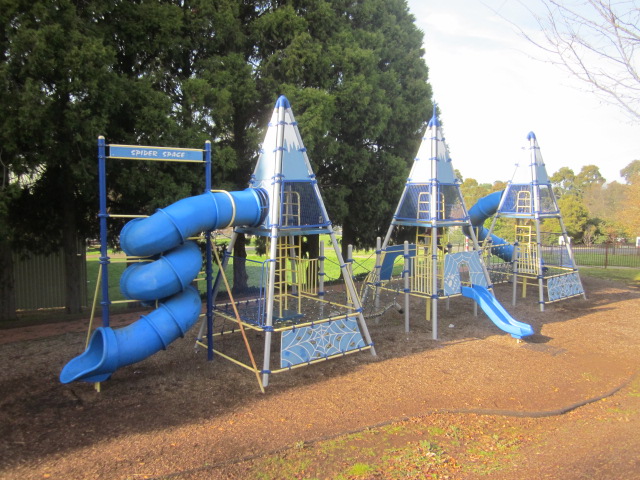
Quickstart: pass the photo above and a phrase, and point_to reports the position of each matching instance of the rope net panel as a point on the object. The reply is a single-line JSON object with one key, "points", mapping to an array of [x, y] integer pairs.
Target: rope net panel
{"points": [[416, 200], [301, 206]]}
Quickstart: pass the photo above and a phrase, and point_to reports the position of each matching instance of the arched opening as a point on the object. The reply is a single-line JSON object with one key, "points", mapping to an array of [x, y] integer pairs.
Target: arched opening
{"points": [[465, 274]]}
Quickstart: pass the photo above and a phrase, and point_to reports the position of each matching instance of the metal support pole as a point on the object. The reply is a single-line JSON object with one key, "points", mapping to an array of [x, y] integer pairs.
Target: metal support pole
{"points": [[540, 265], [537, 209], [104, 252], [434, 283], [434, 217], [321, 275], [514, 280], [209, 255], [376, 273], [274, 220], [349, 263], [407, 288]]}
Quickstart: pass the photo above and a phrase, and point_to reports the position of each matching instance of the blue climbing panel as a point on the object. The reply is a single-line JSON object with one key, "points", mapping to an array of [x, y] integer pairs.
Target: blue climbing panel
{"points": [[452, 265], [314, 342], [564, 286]]}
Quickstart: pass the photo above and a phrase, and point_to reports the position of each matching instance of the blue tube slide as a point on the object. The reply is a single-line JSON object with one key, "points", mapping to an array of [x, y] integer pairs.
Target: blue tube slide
{"points": [[168, 275], [171, 226], [166, 231], [111, 349], [483, 209]]}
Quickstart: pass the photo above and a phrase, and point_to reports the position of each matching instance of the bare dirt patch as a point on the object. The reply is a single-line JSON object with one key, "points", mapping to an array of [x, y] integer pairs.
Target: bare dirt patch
{"points": [[175, 412]]}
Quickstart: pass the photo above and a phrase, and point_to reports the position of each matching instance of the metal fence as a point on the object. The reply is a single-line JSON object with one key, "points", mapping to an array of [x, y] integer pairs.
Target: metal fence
{"points": [[603, 255], [607, 255], [40, 281]]}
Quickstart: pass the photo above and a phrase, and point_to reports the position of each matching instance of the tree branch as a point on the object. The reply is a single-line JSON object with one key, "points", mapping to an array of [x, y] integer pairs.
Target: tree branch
{"points": [[597, 42]]}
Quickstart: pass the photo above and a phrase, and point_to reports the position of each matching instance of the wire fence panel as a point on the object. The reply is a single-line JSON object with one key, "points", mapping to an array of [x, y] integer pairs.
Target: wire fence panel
{"points": [[607, 255], [603, 255]]}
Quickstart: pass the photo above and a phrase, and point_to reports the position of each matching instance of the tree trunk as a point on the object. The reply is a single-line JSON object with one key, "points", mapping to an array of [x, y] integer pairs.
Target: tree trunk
{"points": [[7, 280], [348, 236], [312, 247], [240, 276], [7, 284]]}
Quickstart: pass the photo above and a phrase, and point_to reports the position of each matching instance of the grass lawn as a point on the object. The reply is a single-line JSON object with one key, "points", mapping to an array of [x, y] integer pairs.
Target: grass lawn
{"points": [[628, 276], [598, 259], [363, 262]]}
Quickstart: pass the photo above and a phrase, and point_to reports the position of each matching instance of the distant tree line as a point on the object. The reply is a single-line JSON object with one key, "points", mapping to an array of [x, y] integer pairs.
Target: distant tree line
{"points": [[179, 72], [593, 211]]}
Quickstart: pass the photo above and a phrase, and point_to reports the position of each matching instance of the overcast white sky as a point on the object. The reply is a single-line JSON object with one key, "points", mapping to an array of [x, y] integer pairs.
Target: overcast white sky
{"points": [[492, 92]]}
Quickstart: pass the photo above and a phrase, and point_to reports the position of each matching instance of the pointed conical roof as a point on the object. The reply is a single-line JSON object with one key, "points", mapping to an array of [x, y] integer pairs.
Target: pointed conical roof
{"points": [[432, 176], [282, 135], [432, 157], [529, 194], [284, 171]]}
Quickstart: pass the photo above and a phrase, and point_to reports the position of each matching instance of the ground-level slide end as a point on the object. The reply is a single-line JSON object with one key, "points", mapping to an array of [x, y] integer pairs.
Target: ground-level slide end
{"points": [[496, 312], [111, 349]]}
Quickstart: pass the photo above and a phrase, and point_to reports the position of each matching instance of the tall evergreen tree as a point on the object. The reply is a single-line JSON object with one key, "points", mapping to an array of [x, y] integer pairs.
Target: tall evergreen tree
{"points": [[55, 84], [355, 75], [178, 72]]}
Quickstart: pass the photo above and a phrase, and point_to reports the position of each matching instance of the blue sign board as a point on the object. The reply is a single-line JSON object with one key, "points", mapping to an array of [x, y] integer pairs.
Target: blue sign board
{"points": [[155, 153]]}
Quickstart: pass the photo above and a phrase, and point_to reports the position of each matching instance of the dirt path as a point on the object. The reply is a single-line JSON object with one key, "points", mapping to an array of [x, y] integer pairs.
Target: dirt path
{"points": [[175, 412]]}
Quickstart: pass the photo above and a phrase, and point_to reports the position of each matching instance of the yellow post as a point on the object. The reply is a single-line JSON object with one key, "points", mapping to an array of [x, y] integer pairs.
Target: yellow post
{"points": [[93, 306], [235, 311]]}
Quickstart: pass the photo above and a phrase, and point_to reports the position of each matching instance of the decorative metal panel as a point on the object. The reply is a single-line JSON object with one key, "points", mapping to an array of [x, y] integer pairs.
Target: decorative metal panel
{"points": [[452, 264], [306, 344], [564, 286]]}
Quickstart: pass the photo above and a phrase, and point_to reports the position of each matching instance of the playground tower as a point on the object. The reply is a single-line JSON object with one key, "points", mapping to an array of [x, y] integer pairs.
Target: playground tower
{"points": [[285, 295], [529, 199], [315, 322], [431, 204]]}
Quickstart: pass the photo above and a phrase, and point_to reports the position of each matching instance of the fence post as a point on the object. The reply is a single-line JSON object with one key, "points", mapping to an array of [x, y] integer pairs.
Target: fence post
{"points": [[606, 255]]}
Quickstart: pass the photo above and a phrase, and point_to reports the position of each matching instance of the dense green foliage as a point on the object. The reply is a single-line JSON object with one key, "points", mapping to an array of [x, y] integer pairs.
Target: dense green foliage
{"points": [[357, 82], [54, 92], [178, 72]]}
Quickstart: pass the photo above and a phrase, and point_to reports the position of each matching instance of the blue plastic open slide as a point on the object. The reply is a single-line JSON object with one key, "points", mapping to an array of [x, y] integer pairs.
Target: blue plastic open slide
{"points": [[166, 279], [496, 312], [390, 255], [483, 209]]}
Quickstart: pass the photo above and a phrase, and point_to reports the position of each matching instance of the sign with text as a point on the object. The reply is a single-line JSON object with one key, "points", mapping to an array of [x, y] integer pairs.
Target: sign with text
{"points": [[155, 153]]}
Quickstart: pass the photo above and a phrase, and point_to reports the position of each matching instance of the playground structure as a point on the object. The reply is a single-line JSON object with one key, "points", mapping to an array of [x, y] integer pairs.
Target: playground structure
{"points": [[430, 269], [529, 200], [286, 294], [315, 323], [430, 207], [282, 204]]}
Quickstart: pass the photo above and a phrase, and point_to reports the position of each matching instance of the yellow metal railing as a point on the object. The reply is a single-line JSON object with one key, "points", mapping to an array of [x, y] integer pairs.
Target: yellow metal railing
{"points": [[523, 202], [291, 209]]}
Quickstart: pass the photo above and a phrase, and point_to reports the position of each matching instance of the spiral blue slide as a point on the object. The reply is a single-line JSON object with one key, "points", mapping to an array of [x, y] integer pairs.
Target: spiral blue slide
{"points": [[167, 279]]}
